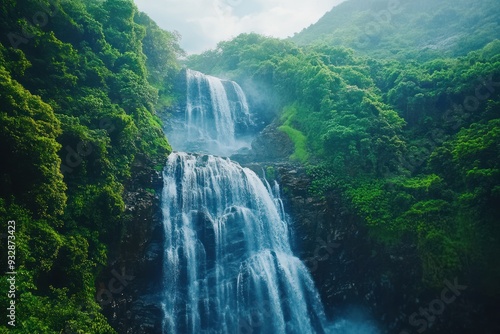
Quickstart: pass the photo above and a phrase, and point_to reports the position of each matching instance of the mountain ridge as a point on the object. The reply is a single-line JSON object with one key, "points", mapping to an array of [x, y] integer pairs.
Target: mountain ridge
{"points": [[385, 28]]}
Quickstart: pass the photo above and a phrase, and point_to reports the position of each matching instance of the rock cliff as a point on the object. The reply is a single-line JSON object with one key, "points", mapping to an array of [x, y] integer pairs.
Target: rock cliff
{"points": [[129, 288]]}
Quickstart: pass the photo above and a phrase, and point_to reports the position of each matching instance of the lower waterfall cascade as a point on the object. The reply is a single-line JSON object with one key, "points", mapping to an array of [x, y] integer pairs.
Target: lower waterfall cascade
{"points": [[228, 256]]}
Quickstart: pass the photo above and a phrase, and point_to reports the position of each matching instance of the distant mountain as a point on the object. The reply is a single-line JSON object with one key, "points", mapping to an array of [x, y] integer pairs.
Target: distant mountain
{"points": [[386, 28]]}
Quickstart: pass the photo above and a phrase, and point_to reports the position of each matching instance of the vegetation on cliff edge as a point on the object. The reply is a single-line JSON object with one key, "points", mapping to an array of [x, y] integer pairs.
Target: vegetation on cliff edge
{"points": [[79, 85]]}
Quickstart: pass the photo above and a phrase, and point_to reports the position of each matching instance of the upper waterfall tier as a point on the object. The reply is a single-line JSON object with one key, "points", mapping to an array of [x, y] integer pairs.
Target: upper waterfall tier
{"points": [[214, 119]]}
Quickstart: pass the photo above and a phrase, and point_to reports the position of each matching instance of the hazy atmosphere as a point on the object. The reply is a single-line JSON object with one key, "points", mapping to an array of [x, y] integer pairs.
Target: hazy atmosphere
{"points": [[202, 24]]}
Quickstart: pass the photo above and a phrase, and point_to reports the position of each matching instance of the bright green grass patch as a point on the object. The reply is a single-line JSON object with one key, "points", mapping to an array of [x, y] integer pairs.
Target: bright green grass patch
{"points": [[297, 137], [299, 140]]}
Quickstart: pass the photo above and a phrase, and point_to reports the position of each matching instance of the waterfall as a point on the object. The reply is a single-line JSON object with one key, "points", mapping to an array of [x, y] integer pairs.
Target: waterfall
{"points": [[228, 256], [214, 109], [228, 263]]}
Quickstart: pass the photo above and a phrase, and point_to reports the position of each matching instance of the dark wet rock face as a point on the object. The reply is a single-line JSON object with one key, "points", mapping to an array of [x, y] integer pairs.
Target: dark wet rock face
{"points": [[271, 145], [129, 287], [349, 268]]}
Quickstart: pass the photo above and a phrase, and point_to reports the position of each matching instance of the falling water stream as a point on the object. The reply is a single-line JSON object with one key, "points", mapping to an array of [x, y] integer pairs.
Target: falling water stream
{"points": [[215, 109], [228, 264]]}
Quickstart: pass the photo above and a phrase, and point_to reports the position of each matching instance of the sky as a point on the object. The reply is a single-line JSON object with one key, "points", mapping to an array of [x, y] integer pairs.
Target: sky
{"points": [[204, 23]]}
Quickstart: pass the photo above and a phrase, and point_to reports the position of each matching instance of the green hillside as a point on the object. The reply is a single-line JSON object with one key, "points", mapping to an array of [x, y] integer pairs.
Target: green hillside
{"points": [[411, 146], [393, 28]]}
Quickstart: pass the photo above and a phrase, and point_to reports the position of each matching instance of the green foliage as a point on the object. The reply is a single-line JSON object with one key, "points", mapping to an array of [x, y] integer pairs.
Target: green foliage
{"points": [[78, 98], [297, 137], [331, 106], [412, 146], [162, 50], [270, 173], [371, 200], [406, 29], [28, 131]]}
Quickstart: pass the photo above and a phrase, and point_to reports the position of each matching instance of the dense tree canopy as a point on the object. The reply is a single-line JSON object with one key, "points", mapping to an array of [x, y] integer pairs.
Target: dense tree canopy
{"points": [[80, 82], [412, 145]]}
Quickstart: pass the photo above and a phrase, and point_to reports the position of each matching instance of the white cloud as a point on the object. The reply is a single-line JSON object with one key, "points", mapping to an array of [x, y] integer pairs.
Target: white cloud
{"points": [[204, 23]]}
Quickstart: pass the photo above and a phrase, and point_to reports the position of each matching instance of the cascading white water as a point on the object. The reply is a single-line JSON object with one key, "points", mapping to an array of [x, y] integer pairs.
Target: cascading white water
{"points": [[209, 124], [228, 254], [221, 127], [242, 101], [228, 265]]}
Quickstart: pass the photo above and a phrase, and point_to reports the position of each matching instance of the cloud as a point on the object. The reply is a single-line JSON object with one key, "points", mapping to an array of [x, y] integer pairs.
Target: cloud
{"points": [[204, 23]]}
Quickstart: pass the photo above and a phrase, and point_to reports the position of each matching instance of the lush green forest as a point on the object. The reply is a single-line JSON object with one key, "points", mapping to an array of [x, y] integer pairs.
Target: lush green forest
{"points": [[79, 85], [413, 146], [403, 120]]}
